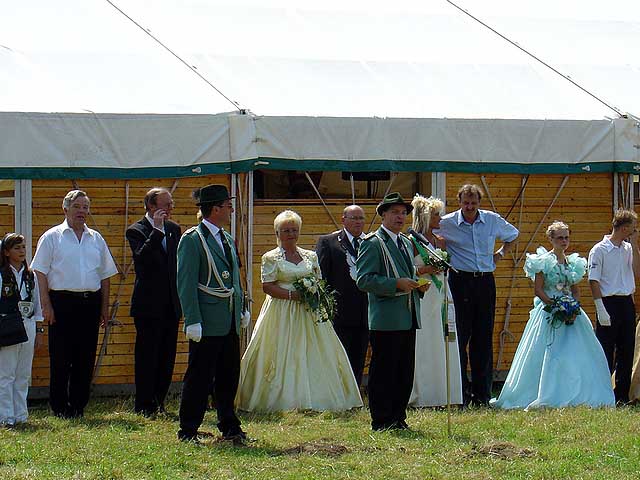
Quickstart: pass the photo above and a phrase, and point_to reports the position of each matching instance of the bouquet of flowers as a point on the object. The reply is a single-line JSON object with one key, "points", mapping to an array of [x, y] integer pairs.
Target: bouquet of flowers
{"points": [[317, 297], [437, 261], [563, 309]]}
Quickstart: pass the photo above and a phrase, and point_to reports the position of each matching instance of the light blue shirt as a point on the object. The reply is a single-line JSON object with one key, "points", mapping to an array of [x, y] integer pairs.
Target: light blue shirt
{"points": [[471, 244]]}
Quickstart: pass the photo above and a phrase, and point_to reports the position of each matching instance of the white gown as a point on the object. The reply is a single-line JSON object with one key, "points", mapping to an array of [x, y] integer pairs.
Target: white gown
{"points": [[429, 380]]}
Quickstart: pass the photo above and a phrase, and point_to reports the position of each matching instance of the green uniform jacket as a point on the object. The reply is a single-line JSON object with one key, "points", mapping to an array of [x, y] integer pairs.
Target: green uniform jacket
{"points": [[197, 306], [386, 310]]}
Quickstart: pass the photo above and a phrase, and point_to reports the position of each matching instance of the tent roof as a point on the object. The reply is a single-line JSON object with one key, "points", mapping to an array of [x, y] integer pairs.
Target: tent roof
{"points": [[333, 85], [331, 58]]}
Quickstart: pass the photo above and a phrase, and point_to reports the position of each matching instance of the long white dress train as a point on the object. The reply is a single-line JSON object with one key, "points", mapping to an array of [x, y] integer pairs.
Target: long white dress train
{"points": [[429, 381]]}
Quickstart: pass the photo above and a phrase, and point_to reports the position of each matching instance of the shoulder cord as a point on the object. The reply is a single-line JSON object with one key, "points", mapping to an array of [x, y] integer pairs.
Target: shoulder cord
{"points": [[388, 261], [222, 291]]}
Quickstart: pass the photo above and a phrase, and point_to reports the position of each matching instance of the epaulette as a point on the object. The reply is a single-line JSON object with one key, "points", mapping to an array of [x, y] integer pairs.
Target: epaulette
{"points": [[369, 235], [190, 230]]}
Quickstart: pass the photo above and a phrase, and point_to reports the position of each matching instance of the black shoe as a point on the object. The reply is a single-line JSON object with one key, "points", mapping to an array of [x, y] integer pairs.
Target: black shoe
{"points": [[236, 435], [381, 427], [189, 438], [402, 425]]}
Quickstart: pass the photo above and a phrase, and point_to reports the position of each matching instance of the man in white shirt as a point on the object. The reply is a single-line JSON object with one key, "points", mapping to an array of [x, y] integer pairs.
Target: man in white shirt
{"points": [[613, 264], [73, 265]]}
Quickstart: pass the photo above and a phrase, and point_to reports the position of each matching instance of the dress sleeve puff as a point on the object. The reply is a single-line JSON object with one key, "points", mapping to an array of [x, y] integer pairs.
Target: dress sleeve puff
{"points": [[577, 267], [541, 261], [269, 267]]}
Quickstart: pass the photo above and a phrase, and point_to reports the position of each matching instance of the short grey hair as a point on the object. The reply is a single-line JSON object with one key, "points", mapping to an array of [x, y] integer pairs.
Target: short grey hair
{"points": [[71, 196], [286, 216]]}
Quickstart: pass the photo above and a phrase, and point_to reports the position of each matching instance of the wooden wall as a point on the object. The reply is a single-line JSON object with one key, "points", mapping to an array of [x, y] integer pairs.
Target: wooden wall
{"points": [[110, 216]]}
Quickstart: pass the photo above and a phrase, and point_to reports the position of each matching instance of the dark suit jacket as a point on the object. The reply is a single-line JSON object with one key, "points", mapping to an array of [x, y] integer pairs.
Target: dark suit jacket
{"points": [[352, 302], [155, 288]]}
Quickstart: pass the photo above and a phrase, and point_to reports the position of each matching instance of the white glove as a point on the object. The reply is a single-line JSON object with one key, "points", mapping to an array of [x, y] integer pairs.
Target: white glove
{"points": [[194, 332], [601, 313], [245, 319]]}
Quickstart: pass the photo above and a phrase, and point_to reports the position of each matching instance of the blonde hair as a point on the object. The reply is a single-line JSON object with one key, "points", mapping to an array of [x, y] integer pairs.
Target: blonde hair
{"points": [[623, 217], [284, 217], [555, 226], [422, 210]]}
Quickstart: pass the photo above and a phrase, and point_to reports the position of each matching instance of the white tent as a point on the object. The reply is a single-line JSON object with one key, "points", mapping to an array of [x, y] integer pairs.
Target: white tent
{"points": [[338, 85]]}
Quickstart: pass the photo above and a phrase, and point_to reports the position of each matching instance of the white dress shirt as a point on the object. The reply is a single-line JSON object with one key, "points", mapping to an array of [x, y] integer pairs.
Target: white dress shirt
{"points": [[612, 267], [351, 237], [69, 264], [214, 229]]}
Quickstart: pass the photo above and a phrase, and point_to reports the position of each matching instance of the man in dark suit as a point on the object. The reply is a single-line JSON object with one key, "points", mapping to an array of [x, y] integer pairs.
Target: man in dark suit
{"points": [[155, 306], [337, 254]]}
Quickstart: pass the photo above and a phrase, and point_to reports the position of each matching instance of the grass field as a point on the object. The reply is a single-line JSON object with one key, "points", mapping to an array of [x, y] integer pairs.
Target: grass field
{"points": [[112, 442]]}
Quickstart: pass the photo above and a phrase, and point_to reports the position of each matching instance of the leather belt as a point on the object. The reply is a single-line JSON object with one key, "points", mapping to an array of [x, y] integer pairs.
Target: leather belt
{"points": [[472, 274], [71, 293]]}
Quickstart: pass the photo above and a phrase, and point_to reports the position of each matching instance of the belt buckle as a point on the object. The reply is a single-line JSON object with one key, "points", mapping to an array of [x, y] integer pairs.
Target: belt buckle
{"points": [[85, 295], [478, 274]]}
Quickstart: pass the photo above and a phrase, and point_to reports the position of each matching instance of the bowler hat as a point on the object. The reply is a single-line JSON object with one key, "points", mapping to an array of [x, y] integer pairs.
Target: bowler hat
{"points": [[212, 194], [393, 199]]}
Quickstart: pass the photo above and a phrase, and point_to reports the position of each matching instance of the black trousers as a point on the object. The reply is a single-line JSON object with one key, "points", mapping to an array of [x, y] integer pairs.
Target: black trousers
{"points": [[474, 299], [211, 357], [618, 341], [355, 341], [155, 355], [73, 339], [390, 375]]}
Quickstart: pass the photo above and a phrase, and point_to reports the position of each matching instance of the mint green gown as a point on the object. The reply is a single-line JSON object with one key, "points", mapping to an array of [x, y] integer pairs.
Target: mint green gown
{"points": [[556, 365]]}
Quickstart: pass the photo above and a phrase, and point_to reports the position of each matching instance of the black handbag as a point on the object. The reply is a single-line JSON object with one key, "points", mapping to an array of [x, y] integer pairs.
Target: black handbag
{"points": [[12, 331]]}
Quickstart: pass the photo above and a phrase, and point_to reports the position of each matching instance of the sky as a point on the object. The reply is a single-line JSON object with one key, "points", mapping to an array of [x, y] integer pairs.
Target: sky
{"points": [[329, 58]]}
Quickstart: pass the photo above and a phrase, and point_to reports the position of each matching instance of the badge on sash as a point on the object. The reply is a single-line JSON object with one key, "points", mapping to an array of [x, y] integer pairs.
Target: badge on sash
{"points": [[225, 274], [351, 264], [25, 308]]}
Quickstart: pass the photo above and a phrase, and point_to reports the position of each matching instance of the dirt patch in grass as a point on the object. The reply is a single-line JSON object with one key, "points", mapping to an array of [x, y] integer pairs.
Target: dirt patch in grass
{"points": [[320, 447], [504, 450]]}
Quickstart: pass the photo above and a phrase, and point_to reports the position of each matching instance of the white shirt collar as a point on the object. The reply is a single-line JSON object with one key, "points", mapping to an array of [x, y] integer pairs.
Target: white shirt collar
{"points": [[460, 218], [394, 236], [65, 226], [609, 245], [351, 237], [214, 229], [17, 273]]}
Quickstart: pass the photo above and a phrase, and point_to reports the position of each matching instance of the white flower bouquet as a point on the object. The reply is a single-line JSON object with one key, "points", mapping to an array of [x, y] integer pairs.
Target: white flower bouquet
{"points": [[317, 297]]}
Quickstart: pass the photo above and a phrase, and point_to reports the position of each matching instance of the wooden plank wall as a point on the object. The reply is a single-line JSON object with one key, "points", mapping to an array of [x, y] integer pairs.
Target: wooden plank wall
{"points": [[110, 217], [585, 204]]}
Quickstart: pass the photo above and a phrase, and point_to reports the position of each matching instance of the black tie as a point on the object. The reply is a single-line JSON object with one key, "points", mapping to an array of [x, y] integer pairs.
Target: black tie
{"points": [[356, 244], [403, 250], [225, 246]]}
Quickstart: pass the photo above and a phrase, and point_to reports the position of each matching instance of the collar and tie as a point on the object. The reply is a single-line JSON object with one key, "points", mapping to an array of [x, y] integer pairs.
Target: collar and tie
{"points": [[225, 247], [403, 250], [356, 244]]}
